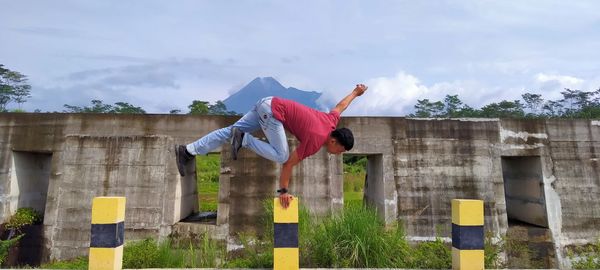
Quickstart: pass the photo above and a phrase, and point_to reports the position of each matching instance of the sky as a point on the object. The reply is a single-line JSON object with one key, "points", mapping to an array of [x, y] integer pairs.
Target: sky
{"points": [[162, 55]]}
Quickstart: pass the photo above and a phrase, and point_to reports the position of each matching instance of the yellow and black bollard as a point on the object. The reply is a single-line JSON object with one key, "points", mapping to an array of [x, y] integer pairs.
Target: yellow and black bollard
{"points": [[285, 253], [108, 230], [467, 234]]}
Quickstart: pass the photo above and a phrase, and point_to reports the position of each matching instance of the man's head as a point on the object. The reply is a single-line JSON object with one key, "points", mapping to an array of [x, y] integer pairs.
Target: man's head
{"points": [[340, 140]]}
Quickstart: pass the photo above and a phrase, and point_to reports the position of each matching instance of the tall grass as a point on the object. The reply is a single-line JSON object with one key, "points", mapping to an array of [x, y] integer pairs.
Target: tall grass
{"points": [[355, 238]]}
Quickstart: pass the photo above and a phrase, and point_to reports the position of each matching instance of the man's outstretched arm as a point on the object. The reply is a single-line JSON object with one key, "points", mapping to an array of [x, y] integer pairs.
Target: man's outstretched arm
{"points": [[343, 104], [284, 179]]}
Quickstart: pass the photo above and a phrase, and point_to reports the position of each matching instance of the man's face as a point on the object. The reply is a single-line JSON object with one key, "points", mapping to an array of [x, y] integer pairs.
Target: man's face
{"points": [[333, 147]]}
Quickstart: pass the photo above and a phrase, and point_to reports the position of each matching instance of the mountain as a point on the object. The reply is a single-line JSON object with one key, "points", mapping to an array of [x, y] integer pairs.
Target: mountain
{"points": [[243, 100]]}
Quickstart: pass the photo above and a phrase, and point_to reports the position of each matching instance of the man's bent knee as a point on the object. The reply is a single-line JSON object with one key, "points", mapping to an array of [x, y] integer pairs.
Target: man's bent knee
{"points": [[282, 157]]}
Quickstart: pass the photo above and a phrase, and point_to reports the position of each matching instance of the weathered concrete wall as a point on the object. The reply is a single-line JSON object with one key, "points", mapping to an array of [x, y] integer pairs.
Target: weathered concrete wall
{"points": [[97, 155], [416, 166]]}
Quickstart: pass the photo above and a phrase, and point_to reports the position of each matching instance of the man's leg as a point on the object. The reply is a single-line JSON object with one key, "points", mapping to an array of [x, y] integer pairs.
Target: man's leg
{"points": [[277, 148], [214, 139]]}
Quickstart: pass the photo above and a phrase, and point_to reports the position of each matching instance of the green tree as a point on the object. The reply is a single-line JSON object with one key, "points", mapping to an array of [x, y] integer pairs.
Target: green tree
{"points": [[205, 108], [453, 105], [124, 107], [219, 108], [534, 103], [98, 106], [504, 109], [13, 87], [426, 108], [580, 104], [198, 107]]}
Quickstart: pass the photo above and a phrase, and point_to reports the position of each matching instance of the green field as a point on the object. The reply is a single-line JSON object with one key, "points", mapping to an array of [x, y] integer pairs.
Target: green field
{"points": [[208, 168], [207, 172]]}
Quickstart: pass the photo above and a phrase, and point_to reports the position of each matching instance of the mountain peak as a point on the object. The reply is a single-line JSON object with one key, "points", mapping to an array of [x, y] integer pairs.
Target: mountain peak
{"points": [[243, 100], [269, 82]]}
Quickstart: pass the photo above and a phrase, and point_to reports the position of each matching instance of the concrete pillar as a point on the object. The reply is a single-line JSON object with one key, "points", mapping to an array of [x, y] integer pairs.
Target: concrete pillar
{"points": [[467, 234], [286, 254], [108, 230]]}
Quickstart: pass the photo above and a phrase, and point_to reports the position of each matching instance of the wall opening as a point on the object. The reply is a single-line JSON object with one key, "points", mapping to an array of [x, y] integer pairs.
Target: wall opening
{"points": [[355, 171], [363, 180], [32, 171], [526, 213], [524, 190], [30, 178], [208, 170]]}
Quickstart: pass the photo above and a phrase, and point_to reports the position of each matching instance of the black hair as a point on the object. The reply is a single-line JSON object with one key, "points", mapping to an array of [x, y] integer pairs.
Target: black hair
{"points": [[344, 137]]}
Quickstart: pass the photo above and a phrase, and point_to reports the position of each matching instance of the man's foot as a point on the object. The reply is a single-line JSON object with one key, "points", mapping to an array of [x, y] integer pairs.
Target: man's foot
{"points": [[236, 141], [182, 158]]}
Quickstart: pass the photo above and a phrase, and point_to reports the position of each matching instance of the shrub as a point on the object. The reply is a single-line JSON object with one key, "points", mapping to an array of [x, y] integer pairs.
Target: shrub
{"points": [[433, 255], [5, 246], [23, 216]]}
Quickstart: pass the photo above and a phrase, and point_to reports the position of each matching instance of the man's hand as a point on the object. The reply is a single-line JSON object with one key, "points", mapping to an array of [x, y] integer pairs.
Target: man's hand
{"points": [[343, 104], [360, 89], [285, 199]]}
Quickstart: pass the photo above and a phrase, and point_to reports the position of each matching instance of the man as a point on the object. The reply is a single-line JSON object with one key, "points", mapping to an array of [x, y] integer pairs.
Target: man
{"points": [[314, 129]]}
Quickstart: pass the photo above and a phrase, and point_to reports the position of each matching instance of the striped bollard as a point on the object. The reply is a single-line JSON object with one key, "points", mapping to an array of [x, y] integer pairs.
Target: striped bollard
{"points": [[467, 234], [108, 229], [285, 253]]}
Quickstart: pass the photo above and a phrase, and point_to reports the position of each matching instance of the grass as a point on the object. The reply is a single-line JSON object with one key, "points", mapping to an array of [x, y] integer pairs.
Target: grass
{"points": [[207, 172], [208, 196], [585, 257], [354, 238], [148, 253]]}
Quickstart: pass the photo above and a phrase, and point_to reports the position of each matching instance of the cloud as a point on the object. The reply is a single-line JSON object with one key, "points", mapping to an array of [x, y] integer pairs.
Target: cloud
{"points": [[52, 32], [397, 95], [156, 86], [565, 81]]}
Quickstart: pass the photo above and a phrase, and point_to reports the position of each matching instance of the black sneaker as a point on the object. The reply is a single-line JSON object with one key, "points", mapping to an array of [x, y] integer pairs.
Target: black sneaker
{"points": [[182, 158], [236, 141]]}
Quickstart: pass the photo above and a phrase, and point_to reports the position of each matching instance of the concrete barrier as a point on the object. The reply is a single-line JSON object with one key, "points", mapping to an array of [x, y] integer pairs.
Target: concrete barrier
{"points": [[467, 234], [286, 254], [108, 231]]}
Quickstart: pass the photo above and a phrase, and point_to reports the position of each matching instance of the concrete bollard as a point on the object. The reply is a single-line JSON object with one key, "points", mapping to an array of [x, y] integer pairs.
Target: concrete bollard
{"points": [[467, 234], [286, 254], [108, 230]]}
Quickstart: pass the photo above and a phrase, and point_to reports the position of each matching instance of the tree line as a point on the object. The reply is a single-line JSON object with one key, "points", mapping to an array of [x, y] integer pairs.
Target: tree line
{"points": [[573, 104], [15, 88]]}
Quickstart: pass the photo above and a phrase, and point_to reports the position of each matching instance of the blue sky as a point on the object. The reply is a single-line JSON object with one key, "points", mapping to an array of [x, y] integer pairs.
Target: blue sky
{"points": [[161, 55]]}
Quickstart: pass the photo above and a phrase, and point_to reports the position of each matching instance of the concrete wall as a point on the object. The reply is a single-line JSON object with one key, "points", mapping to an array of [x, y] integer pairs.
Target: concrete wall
{"points": [[416, 166]]}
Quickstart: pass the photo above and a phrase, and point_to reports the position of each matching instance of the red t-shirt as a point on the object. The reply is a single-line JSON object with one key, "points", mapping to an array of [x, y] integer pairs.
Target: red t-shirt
{"points": [[311, 127]]}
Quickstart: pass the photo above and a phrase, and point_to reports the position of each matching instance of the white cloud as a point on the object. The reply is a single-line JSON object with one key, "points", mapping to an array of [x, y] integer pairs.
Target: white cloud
{"points": [[398, 94], [550, 85], [566, 81]]}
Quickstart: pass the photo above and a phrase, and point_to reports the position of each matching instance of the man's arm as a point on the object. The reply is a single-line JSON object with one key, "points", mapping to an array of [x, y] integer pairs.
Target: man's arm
{"points": [[284, 179], [343, 104]]}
